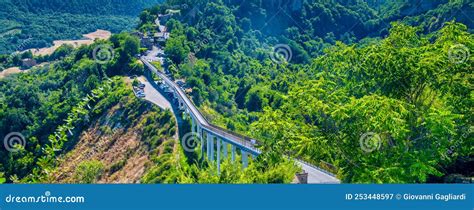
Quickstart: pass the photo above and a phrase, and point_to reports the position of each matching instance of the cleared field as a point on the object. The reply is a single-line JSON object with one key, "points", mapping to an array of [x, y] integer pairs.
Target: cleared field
{"points": [[12, 70], [88, 39]]}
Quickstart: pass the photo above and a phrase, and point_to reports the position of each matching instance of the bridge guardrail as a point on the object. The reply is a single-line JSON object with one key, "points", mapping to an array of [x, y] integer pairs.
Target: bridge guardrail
{"points": [[180, 91], [317, 167], [246, 142]]}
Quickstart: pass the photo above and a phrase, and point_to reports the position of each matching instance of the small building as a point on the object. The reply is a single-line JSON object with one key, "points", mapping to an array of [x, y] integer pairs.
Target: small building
{"points": [[28, 62], [146, 41], [161, 36]]}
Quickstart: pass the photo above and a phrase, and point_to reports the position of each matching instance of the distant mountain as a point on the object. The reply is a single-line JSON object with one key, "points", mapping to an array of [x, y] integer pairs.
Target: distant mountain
{"points": [[430, 14], [102, 7]]}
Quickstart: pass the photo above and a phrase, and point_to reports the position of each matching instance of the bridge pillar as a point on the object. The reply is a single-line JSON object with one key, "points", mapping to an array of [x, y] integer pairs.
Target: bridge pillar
{"points": [[245, 161], [209, 147], [224, 149], [200, 131], [212, 148], [218, 155], [201, 137], [232, 147]]}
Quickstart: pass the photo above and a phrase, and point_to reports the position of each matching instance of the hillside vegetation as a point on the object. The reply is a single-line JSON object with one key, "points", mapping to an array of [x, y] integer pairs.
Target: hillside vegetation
{"points": [[353, 75], [51, 105], [377, 92], [118, 146], [37, 23]]}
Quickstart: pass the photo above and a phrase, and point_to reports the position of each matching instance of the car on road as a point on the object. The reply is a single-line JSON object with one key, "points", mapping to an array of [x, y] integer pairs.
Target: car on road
{"points": [[141, 85], [141, 95]]}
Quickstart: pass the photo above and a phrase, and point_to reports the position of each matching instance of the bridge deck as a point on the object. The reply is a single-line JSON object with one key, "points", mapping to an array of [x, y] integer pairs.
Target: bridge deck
{"points": [[315, 174]]}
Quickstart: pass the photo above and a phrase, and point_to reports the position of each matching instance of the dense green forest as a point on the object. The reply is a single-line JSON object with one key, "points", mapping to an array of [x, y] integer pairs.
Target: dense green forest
{"points": [[36, 23], [310, 26], [72, 94], [399, 72], [373, 91]]}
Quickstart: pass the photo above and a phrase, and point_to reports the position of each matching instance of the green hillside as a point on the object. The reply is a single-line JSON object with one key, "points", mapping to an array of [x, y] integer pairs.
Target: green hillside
{"points": [[343, 69], [372, 91], [36, 23]]}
